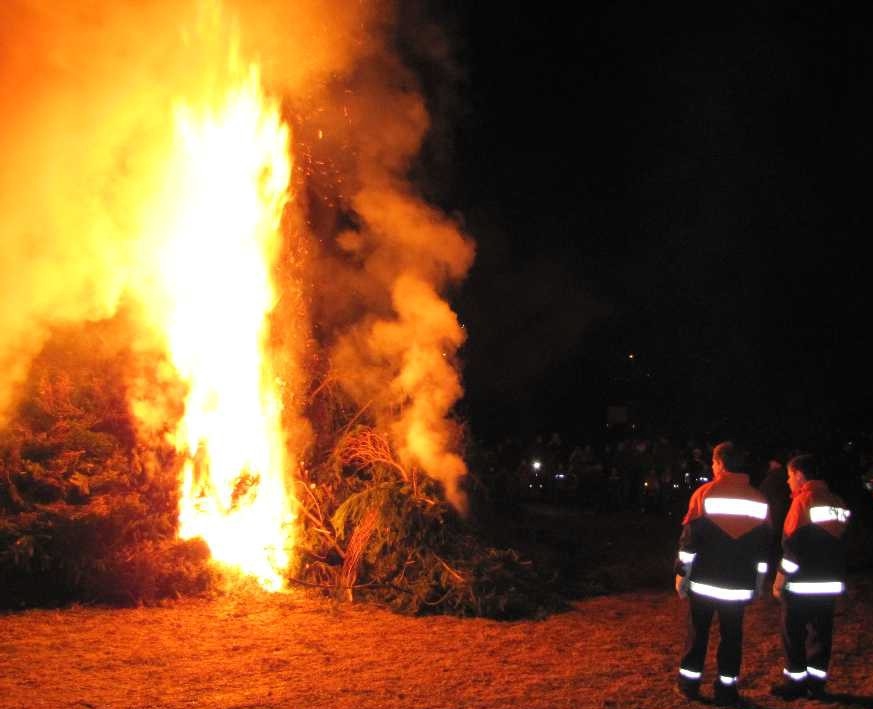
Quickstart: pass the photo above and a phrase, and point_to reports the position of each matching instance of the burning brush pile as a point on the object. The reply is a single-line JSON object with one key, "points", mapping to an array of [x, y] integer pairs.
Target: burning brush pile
{"points": [[226, 347], [87, 512]]}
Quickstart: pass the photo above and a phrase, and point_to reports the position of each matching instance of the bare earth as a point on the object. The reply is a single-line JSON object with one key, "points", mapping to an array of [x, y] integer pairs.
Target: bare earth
{"points": [[289, 651]]}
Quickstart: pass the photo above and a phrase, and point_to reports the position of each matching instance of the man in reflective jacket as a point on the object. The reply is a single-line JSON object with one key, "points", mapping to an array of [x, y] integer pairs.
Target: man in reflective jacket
{"points": [[721, 566], [811, 575]]}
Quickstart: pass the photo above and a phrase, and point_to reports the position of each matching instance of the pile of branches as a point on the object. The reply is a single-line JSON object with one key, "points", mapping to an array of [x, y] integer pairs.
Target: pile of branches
{"points": [[383, 533], [89, 510], [88, 513]]}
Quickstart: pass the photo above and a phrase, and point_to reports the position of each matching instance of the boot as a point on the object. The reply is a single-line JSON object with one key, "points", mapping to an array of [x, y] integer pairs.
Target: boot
{"points": [[688, 688], [726, 695], [789, 689], [815, 688]]}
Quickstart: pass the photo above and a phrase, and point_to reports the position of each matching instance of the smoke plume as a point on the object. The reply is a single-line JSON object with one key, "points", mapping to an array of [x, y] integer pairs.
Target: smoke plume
{"points": [[88, 92]]}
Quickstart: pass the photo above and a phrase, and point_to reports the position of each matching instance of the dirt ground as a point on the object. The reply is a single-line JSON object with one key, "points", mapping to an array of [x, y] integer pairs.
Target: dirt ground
{"points": [[288, 651]]}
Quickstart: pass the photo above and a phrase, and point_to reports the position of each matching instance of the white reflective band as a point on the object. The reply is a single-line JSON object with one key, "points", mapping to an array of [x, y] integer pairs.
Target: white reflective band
{"points": [[690, 674], [814, 587], [762, 567], [796, 676], [724, 679], [824, 513], [789, 566], [723, 594], [735, 506], [686, 557], [817, 673]]}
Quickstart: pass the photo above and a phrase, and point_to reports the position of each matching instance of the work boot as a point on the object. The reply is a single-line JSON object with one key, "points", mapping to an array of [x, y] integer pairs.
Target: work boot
{"points": [[789, 689], [815, 688], [726, 695], [688, 688]]}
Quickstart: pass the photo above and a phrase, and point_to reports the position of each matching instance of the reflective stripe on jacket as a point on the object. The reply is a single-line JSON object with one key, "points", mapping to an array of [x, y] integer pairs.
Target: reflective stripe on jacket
{"points": [[725, 538], [813, 541]]}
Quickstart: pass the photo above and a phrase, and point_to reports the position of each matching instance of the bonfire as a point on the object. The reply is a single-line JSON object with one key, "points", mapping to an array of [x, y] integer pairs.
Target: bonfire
{"points": [[230, 353]]}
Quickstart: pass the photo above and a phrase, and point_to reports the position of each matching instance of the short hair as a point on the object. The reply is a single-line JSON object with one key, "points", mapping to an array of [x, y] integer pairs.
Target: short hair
{"points": [[806, 464], [731, 457]]}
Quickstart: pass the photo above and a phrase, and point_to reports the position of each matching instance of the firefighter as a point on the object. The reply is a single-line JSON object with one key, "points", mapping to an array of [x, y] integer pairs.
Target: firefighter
{"points": [[810, 578], [721, 566]]}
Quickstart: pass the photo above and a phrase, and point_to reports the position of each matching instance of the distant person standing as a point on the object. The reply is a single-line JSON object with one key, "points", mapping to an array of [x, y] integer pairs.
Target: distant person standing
{"points": [[698, 471], [811, 576], [720, 568], [778, 494]]}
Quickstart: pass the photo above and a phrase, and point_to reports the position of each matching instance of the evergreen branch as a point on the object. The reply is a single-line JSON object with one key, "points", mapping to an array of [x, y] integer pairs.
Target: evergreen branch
{"points": [[366, 448]]}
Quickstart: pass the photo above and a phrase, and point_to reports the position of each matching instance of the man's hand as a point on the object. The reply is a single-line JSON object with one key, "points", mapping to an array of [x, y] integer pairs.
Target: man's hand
{"points": [[778, 585], [682, 586], [759, 585]]}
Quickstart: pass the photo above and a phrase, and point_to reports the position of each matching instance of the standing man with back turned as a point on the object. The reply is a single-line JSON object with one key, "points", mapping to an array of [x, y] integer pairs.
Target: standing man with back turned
{"points": [[811, 576], [721, 567]]}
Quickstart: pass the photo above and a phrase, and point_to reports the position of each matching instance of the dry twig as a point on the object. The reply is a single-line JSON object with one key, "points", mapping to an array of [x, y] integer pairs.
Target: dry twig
{"points": [[366, 448]]}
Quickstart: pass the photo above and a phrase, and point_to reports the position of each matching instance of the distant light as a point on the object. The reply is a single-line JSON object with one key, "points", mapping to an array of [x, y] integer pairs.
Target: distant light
{"points": [[560, 476], [675, 484], [631, 355], [537, 465]]}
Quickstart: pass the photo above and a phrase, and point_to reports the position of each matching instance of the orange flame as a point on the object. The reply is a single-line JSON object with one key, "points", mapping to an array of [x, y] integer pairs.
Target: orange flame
{"points": [[178, 211], [229, 176]]}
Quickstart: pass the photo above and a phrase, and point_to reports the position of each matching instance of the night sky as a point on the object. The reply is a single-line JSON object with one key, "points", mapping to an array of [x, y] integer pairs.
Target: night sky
{"points": [[688, 188]]}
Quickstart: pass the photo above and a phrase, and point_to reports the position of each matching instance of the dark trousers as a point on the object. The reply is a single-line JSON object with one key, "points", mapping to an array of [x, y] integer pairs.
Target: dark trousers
{"points": [[807, 631], [730, 625]]}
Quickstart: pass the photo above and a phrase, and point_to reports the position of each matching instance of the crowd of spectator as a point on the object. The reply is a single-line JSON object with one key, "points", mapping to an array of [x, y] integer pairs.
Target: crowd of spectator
{"points": [[650, 474]]}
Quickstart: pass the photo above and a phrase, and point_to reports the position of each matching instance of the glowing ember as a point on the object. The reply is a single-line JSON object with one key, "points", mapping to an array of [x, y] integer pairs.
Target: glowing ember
{"points": [[229, 179]]}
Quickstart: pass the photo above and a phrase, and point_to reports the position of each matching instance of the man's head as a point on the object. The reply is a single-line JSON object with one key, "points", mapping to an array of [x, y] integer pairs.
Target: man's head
{"points": [[727, 458], [801, 469]]}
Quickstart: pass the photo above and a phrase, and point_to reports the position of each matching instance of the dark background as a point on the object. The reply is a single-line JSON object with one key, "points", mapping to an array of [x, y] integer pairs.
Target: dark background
{"points": [[687, 188]]}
